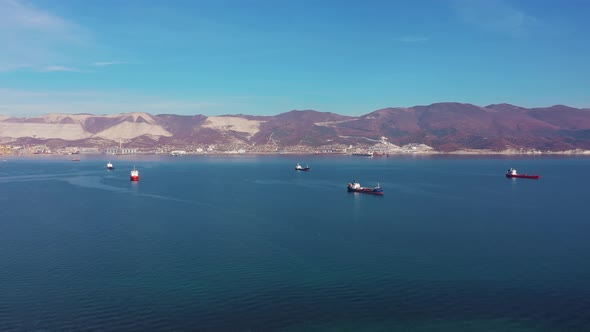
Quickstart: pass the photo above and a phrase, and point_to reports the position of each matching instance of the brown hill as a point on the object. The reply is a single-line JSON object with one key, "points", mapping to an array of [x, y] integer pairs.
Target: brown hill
{"points": [[297, 128], [444, 126]]}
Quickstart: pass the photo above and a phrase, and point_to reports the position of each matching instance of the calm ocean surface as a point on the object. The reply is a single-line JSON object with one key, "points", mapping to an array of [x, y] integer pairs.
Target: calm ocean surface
{"points": [[247, 244]]}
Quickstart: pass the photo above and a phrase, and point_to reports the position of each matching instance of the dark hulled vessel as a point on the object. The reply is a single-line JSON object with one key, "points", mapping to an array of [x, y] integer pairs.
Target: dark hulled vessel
{"points": [[511, 173], [357, 188]]}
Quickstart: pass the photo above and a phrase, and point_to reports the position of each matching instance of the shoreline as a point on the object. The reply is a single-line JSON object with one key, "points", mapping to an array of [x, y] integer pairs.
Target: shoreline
{"points": [[516, 152], [466, 152]]}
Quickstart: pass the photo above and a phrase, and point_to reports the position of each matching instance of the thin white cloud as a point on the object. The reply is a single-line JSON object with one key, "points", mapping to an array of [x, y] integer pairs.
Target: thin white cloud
{"points": [[494, 15], [18, 14], [413, 39], [15, 94], [60, 68], [107, 63], [23, 103], [171, 107], [13, 66], [35, 38]]}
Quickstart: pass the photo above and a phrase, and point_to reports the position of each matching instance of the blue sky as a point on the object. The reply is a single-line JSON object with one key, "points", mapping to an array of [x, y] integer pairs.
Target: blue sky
{"points": [[268, 57]]}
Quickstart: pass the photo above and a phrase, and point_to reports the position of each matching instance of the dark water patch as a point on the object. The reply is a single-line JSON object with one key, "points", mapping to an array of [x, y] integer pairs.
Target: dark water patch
{"points": [[230, 244]]}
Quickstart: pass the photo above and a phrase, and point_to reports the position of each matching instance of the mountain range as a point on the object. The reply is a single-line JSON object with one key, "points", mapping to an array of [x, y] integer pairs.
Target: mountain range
{"points": [[444, 126]]}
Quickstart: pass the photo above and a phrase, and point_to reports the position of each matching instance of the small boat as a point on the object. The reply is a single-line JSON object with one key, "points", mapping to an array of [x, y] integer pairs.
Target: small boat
{"points": [[356, 188], [110, 166], [134, 176], [177, 153], [75, 159], [301, 168], [511, 173], [363, 154]]}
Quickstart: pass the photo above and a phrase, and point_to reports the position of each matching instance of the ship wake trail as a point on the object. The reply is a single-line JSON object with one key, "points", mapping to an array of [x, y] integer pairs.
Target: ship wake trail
{"points": [[174, 199], [92, 182], [39, 177]]}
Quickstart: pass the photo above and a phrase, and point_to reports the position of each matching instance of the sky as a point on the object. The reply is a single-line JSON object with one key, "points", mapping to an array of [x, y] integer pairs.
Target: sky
{"points": [[265, 57]]}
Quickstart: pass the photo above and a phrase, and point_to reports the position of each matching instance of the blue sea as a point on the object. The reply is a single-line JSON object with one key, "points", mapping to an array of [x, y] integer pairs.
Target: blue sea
{"points": [[246, 243]]}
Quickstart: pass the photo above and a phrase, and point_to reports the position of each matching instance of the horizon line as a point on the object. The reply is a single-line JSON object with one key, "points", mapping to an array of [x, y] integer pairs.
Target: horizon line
{"points": [[294, 110]]}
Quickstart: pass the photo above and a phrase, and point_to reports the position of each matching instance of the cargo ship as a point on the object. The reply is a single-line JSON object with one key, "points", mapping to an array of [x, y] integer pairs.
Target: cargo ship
{"points": [[134, 176], [511, 173], [356, 188], [301, 168], [363, 154], [110, 166]]}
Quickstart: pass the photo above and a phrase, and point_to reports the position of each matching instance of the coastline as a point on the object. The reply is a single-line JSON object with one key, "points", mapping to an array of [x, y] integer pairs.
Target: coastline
{"points": [[472, 152], [517, 152]]}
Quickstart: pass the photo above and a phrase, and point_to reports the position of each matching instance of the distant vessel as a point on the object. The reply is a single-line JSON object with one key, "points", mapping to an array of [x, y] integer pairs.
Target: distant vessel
{"points": [[75, 159], [363, 154], [511, 173], [356, 187], [134, 176], [110, 166], [301, 168]]}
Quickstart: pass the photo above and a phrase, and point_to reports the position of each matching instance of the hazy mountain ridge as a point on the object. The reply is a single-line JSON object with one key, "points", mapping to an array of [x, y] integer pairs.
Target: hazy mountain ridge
{"points": [[444, 126]]}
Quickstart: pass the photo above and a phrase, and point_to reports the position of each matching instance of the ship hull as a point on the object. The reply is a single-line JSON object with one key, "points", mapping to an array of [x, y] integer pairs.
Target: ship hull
{"points": [[306, 169], [134, 178], [110, 168], [523, 176], [370, 191]]}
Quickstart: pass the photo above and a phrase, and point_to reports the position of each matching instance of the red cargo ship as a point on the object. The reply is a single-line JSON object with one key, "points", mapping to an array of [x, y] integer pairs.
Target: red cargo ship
{"points": [[134, 176], [511, 173]]}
